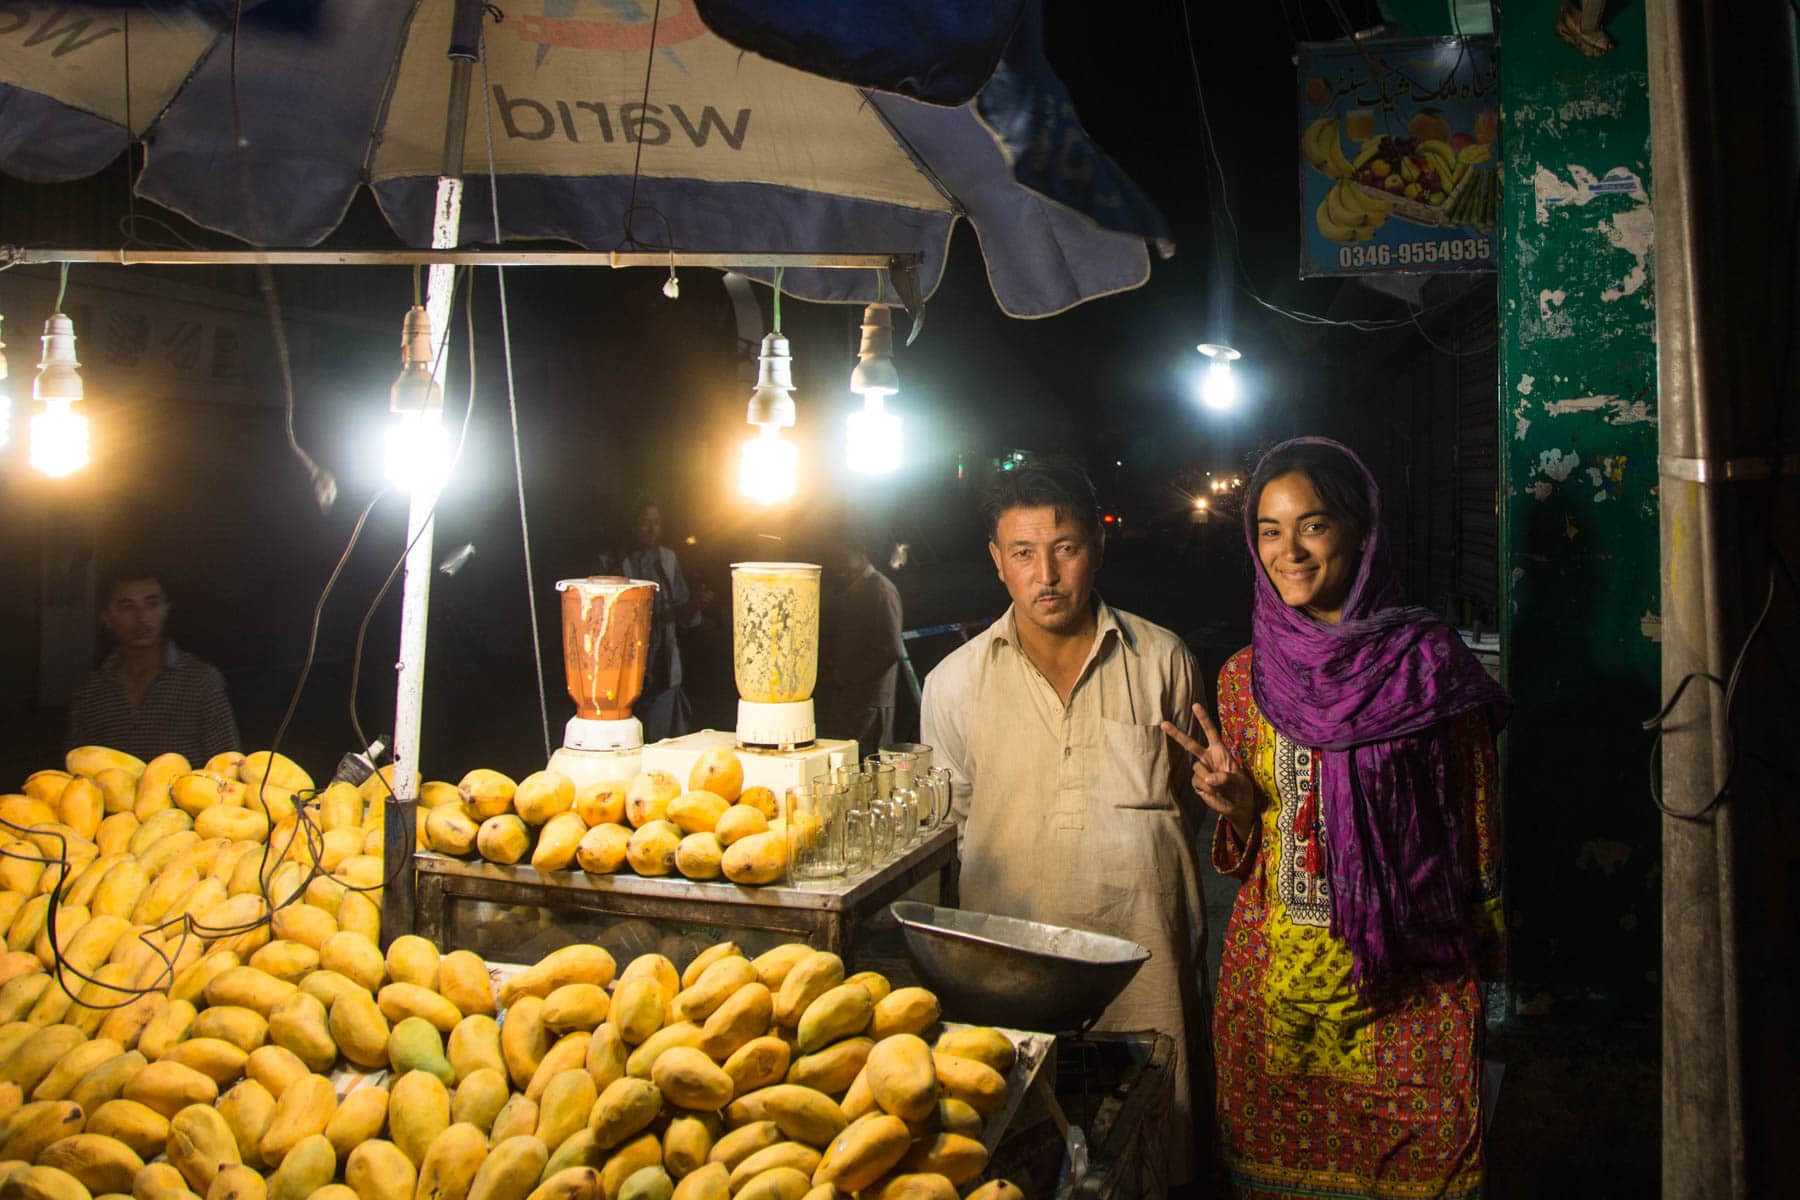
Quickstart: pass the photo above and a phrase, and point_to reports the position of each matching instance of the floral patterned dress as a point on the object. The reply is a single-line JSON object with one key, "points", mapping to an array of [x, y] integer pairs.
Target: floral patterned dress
{"points": [[1320, 1092]]}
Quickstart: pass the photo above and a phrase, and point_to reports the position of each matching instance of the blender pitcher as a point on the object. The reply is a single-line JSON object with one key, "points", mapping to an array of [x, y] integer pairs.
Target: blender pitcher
{"points": [[775, 651], [606, 646]]}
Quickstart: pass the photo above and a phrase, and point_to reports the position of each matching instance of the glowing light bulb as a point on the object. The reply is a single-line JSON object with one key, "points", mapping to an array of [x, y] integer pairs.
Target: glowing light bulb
{"points": [[1218, 391], [769, 468], [59, 434], [416, 450], [873, 445]]}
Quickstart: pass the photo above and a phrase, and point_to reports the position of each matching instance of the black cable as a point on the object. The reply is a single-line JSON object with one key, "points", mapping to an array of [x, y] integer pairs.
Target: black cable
{"points": [[638, 156]]}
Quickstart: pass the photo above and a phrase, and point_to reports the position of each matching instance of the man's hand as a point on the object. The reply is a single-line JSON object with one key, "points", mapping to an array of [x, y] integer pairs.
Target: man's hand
{"points": [[1218, 780]]}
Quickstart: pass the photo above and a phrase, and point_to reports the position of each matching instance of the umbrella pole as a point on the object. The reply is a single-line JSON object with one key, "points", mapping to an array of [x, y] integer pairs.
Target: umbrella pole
{"points": [[399, 912]]}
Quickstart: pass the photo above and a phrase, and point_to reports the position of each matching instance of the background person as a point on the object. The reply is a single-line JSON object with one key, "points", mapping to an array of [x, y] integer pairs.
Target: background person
{"points": [[663, 708], [1357, 790], [1067, 798], [149, 696], [859, 665]]}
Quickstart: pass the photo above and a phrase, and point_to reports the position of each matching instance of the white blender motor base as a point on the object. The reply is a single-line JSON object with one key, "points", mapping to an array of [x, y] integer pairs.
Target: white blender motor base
{"points": [[599, 751], [776, 726]]}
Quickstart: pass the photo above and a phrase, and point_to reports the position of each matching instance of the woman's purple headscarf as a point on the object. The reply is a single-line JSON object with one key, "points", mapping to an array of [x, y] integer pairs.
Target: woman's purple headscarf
{"points": [[1374, 691]]}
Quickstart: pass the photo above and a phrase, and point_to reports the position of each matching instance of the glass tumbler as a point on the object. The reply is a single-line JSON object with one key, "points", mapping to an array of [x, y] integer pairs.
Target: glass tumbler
{"points": [[859, 839], [881, 776], [943, 793], [906, 817]]}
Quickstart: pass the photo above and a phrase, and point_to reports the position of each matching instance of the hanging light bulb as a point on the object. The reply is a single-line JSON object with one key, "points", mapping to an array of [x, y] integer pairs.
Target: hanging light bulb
{"points": [[769, 466], [1219, 389], [874, 436], [416, 447], [59, 434]]}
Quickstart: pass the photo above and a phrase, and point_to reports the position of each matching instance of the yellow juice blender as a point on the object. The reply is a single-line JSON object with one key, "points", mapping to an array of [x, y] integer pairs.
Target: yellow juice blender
{"points": [[775, 651]]}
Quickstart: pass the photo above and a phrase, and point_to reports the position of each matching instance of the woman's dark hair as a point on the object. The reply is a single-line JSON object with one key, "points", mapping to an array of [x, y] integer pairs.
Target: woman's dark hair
{"points": [[1333, 475], [1055, 483]]}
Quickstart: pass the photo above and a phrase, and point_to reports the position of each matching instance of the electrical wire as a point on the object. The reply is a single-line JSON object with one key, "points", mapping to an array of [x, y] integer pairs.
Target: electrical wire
{"points": [[512, 394], [626, 238]]}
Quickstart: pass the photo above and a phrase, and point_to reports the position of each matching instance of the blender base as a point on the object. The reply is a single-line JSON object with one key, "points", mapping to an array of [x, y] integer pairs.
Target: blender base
{"points": [[584, 768], [776, 726]]}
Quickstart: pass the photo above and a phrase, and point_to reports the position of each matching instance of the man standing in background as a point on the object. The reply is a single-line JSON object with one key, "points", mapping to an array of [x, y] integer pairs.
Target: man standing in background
{"points": [[149, 696], [862, 647]]}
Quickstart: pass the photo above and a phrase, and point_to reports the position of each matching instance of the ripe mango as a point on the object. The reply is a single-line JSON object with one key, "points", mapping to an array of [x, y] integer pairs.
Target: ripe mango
{"points": [[356, 958], [542, 795], [651, 850], [475, 1045], [572, 1183], [280, 771], [758, 1063], [803, 1114], [91, 760], [982, 1044], [976, 1084], [249, 988], [806, 981], [689, 1079], [401, 1000], [926, 1186], [34, 1126], [557, 842], [360, 1030], [841, 1012], [276, 1068], [463, 980], [44, 1183], [142, 1128], [503, 839], [709, 1182], [833, 1069], [623, 1109], [302, 1111], [757, 859], [450, 1164], [866, 1150], [902, 1076], [307, 1168], [601, 850], [699, 856], [248, 1109], [564, 1105], [523, 1039], [287, 961], [378, 1170], [451, 831], [628, 1160], [510, 1170], [519, 1115], [479, 1098], [601, 803], [567, 1053], [714, 985], [580, 963], [747, 1013], [200, 1145], [360, 1116], [487, 793], [103, 1084], [743, 1141], [641, 1061], [719, 771], [647, 797], [243, 1183], [738, 822], [956, 1157], [418, 1111], [688, 1140], [575, 1006], [777, 1183]]}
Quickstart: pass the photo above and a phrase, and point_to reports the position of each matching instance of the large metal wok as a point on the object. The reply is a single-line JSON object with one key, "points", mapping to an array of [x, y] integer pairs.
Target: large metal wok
{"points": [[993, 970]]}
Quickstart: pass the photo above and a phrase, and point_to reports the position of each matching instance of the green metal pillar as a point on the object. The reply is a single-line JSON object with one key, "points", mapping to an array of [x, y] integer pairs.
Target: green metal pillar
{"points": [[1580, 617]]}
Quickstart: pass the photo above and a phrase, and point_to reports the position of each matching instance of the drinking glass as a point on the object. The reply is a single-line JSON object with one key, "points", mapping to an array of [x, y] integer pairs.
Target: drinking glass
{"points": [[881, 775], [942, 786], [906, 818], [859, 839], [815, 832]]}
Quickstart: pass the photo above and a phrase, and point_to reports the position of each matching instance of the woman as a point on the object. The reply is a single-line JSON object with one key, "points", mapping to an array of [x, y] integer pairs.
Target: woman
{"points": [[1353, 771]]}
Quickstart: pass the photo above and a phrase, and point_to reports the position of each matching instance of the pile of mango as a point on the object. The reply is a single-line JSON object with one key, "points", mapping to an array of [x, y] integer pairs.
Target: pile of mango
{"points": [[776, 1078], [115, 875], [715, 828]]}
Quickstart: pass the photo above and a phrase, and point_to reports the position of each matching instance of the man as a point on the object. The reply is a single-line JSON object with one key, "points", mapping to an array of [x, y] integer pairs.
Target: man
{"points": [[1068, 803], [149, 696], [663, 708], [862, 651]]}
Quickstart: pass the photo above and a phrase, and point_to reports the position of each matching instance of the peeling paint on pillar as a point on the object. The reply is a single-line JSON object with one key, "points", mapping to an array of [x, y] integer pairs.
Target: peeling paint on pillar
{"points": [[1578, 504]]}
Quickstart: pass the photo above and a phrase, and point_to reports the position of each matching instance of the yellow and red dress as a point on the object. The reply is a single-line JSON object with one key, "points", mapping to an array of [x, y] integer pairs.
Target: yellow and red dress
{"points": [[1322, 1093]]}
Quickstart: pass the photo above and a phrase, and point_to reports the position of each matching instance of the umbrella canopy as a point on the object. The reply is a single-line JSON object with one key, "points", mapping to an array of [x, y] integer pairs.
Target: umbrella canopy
{"points": [[593, 110]]}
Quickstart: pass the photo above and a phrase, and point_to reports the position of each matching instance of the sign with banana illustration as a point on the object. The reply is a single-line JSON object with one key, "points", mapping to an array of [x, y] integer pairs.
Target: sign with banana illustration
{"points": [[1400, 166]]}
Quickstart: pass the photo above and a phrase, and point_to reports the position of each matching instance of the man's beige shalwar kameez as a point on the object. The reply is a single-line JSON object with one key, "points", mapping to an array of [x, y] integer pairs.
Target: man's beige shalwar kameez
{"points": [[1072, 814]]}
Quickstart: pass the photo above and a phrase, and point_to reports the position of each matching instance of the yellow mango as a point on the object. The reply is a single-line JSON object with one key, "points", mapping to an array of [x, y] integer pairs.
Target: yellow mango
{"points": [[557, 842], [82, 806], [580, 963], [449, 831], [44, 1182], [30, 1062], [200, 1145], [117, 789], [601, 850], [360, 1029], [575, 1006], [756, 1064], [474, 1045], [517, 1116], [114, 834], [564, 1105], [567, 1053], [574, 1183], [360, 1116], [866, 1150], [378, 1170], [976, 1084], [756, 859], [487, 793], [833, 1069], [248, 987], [276, 1068], [601, 803], [733, 1148], [91, 760], [699, 855], [159, 1181], [738, 822], [502, 839], [354, 957], [637, 1009], [510, 1171], [302, 1111], [651, 850], [238, 824], [639, 1063], [479, 1098], [924, 1186], [36, 1125], [762, 800], [301, 1024], [982, 1044], [841, 1012], [168, 1087], [626, 1107], [689, 1079], [647, 797], [135, 1125], [628, 1160], [806, 981], [523, 1039], [19, 868], [67, 1072], [280, 770], [379, 787], [713, 987], [688, 1140], [708, 1182], [43, 787], [304, 1170], [606, 1056], [450, 1163], [542, 795], [777, 1183], [249, 1110], [955, 1156], [246, 1183], [656, 967], [103, 1083], [418, 1111], [903, 1077], [803, 1114]]}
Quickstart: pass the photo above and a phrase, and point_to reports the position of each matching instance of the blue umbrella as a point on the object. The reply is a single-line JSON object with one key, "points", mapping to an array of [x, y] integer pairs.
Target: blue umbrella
{"points": [[595, 111]]}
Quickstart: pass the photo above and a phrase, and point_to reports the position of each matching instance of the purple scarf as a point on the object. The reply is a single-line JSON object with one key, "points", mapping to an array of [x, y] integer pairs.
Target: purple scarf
{"points": [[1375, 690]]}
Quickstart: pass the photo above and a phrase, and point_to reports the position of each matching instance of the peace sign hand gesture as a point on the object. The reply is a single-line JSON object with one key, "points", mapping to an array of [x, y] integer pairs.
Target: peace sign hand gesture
{"points": [[1218, 780]]}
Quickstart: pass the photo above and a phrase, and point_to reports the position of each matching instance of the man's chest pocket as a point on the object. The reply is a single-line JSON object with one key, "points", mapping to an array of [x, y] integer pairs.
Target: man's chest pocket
{"points": [[1135, 759]]}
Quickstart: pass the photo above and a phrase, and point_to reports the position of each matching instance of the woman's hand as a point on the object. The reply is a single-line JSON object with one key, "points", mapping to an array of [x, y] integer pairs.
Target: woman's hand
{"points": [[1218, 780]]}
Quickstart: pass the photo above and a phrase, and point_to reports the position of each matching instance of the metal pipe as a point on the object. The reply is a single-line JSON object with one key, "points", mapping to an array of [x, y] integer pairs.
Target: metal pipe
{"points": [[467, 257]]}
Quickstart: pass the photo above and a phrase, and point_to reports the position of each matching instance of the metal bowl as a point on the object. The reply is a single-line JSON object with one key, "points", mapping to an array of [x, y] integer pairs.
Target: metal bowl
{"points": [[993, 970]]}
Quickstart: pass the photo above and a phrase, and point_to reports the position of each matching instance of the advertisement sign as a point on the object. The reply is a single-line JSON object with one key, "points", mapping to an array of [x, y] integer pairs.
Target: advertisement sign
{"points": [[1399, 166]]}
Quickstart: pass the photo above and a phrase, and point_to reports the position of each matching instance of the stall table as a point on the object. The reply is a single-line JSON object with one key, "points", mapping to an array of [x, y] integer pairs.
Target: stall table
{"points": [[825, 914]]}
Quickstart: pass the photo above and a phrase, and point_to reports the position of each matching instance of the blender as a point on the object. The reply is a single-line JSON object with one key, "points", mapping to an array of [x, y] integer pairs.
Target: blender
{"points": [[775, 659], [606, 646]]}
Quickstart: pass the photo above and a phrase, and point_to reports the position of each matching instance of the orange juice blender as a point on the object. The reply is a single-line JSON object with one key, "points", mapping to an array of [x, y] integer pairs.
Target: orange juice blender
{"points": [[606, 646], [775, 651]]}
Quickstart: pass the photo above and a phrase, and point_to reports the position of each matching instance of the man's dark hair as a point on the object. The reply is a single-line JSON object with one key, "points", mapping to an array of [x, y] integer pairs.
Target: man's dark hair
{"points": [[1055, 483], [121, 573], [1333, 475]]}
